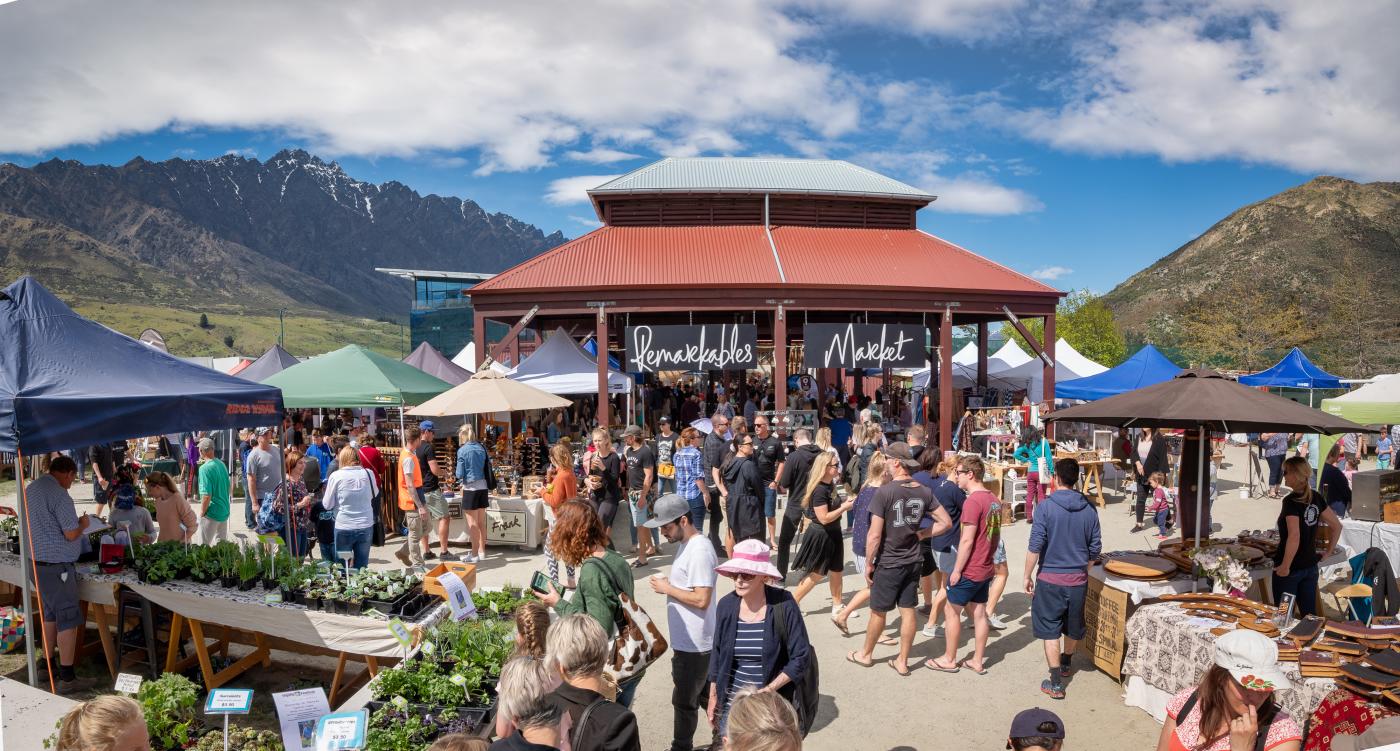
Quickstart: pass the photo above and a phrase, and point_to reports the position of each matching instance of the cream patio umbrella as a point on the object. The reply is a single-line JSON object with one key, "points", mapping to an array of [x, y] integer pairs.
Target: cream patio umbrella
{"points": [[487, 391]]}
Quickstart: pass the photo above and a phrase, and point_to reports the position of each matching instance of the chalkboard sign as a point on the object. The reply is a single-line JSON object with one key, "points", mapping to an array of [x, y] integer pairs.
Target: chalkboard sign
{"points": [[718, 346], [863, 345]]}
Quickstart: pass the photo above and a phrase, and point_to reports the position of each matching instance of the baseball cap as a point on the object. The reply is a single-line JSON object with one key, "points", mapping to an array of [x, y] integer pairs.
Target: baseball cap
{"points": [[632, 430], [666, 419], [426, 425], [667, 509], [1252, 659], [262, 431], [900, 451], [1028, 723], [206, 444]]}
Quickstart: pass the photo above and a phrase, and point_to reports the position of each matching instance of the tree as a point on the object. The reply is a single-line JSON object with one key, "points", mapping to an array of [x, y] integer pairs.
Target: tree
{"points": [[228, 341], [1083, 320], [1238, 324], [204, 321], [1359, 332]]}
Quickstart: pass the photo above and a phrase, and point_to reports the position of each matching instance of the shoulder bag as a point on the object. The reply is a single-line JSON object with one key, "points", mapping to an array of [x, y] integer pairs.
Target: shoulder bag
{"points": [[638, 642]]}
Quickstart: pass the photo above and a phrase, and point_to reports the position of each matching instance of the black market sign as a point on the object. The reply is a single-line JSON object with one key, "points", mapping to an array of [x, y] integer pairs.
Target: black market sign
{"points": [[863, 345], [714, 346]]}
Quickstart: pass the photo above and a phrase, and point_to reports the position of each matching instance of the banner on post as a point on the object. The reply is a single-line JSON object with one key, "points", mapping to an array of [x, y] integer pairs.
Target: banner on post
{"points": [[714, 346], [863, 345]]}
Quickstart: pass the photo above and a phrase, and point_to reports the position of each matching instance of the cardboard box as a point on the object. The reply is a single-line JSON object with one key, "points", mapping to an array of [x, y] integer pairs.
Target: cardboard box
{"points": [[1106, 612], [466, 571]]}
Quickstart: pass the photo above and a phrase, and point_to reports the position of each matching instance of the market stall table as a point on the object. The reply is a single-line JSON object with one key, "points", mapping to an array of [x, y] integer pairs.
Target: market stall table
{"points": [[510, 520], [1359, 536]]}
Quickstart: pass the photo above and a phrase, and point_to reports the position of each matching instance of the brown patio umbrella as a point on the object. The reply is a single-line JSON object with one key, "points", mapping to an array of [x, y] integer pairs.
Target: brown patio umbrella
{"points": [[1202, 399]]}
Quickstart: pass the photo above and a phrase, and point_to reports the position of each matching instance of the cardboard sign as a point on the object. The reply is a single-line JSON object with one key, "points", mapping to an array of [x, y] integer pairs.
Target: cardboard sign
{"points": [[506, 527], [1106, 612], [127, 683], [863, 345], [229, 701], [720, 346], [341, 731]]}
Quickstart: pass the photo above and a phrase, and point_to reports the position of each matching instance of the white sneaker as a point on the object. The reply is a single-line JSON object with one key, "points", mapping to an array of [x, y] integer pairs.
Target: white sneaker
{"points": [[996, 623], [468, 558], [932, 632]]}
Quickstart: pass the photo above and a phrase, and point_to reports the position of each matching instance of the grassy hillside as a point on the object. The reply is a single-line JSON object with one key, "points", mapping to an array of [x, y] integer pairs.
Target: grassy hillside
{"points": [[252, 334]]}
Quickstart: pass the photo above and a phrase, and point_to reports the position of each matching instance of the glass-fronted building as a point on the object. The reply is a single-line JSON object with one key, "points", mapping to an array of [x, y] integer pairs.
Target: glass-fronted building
{"points": [[442, 308]]}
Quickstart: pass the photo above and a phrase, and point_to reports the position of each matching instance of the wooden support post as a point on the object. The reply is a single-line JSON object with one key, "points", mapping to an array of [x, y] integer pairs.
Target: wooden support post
{"points": [[601, 339], [982, 355], [479, 339], [780, 363], [1048, 373], [945, 380]]}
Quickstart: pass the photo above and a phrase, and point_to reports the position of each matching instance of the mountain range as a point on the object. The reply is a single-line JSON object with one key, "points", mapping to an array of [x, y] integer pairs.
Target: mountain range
{"points": [[237, 235], [1313, 266]]}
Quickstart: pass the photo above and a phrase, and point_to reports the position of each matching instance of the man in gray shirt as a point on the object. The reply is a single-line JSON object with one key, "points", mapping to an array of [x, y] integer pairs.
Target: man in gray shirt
{"points": [[264, 470], [55, 527]]}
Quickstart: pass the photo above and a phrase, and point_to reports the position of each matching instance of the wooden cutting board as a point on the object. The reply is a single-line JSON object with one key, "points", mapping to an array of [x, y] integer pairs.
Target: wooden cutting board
{"points": [[1140, 566]]}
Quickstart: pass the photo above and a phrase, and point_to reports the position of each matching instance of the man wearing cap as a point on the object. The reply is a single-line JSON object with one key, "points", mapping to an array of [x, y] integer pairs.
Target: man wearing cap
{"points": [[213, 495], [690, 613], [902, 513], [1064, 542], [264, 470], [432, 491], [54, 529], [641, 475], [1036, 729]]}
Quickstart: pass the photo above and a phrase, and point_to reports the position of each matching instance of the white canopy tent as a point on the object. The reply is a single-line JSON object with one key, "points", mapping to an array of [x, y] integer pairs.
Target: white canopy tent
{"points": [[560, 366], [1069, 363], [467, 359], [965, 365]]}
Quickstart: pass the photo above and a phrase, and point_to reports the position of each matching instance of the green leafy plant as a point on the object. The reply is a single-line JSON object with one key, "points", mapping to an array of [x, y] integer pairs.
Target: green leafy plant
{"points": [[249, 565], [501, 603], [169, 704], [9, 526], [240, 739]]}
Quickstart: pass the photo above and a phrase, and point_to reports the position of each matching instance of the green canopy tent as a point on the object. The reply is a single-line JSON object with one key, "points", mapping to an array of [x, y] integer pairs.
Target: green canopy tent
{"points": [[1377, 403]]}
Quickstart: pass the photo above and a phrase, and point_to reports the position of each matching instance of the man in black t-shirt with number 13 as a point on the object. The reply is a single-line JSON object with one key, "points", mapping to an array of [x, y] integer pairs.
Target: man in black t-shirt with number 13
{"points": [[902, 513]]}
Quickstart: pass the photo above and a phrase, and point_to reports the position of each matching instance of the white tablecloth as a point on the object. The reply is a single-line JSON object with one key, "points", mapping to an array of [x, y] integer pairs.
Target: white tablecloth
{"points": [[1359, 536]]}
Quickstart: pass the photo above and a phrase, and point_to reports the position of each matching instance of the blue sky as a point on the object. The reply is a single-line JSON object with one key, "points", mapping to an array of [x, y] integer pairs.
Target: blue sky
{"points": [[1074, 139]]}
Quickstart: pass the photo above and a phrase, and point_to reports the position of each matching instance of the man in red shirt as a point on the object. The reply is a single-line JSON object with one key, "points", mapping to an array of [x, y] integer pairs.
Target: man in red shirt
{"points": [[970, 580]]}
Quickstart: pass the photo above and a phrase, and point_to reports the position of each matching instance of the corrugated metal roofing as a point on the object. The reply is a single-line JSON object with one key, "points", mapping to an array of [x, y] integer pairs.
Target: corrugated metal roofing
{"points": [[733, 255], [758, 175], [723, 255]]}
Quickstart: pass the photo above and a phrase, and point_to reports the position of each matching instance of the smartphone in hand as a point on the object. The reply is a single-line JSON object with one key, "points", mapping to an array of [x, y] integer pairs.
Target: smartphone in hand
{"points": [[540, 583]]}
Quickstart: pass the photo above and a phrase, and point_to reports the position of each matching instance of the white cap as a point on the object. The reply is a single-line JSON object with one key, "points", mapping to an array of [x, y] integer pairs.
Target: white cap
{"points": [[1252, 659]]}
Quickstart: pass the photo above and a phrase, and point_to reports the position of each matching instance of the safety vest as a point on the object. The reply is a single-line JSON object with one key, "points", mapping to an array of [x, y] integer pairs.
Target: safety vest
{"points": [[408, 495]]}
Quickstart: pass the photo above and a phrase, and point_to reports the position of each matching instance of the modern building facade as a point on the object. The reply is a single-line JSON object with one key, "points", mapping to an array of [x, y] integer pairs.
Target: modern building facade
{"points": [[442, 312]]}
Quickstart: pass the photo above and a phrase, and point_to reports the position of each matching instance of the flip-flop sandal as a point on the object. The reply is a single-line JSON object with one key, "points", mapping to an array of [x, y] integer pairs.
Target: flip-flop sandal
{"points": [[851, 657], [932, 665], [983, 671], [888, 641], [900, 673], [845, 630], [640, 564]]}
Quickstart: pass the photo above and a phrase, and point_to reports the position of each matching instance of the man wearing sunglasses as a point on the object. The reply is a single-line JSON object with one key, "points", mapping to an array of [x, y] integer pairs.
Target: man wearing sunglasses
{"points": [[715, 449], [690, 613]]}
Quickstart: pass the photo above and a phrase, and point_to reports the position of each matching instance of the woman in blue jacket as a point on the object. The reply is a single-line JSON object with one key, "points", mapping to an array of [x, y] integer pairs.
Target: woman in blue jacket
{"points": [[471, 476], [751, 647]]}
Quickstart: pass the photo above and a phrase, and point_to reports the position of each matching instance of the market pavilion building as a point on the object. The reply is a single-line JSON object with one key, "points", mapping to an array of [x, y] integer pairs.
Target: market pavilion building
{"points": [[781, 244]]}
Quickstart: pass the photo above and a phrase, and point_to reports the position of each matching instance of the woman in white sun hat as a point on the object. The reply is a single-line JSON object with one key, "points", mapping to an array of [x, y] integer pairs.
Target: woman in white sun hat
{"points": [[760, 641], [1233, 708]]}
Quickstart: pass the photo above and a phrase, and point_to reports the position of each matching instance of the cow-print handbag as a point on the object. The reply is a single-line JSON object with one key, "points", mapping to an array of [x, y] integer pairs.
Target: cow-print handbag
{"points": [[639, 642]]}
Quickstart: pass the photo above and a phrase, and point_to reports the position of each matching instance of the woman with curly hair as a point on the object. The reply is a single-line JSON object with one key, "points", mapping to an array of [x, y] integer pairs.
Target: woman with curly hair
{"points": [[578, 539]]}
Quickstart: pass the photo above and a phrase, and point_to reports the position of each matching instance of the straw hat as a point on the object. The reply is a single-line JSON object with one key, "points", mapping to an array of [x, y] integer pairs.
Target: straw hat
{"points": [[750, 557]]}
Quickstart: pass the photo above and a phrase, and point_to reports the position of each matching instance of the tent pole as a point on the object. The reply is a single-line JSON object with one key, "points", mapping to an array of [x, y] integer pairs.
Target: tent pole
{"points": [[24, 566]]}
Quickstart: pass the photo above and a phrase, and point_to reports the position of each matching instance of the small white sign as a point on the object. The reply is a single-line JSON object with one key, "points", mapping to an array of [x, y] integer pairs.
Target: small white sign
{"points": [[229, 701], [401, 633], [128, 683], [275, 597], [297, 712], [459, 598], [429, 648], [341, 731]]}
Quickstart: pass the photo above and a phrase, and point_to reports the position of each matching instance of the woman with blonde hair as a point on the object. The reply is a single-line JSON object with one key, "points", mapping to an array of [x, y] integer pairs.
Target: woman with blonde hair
{"points": [[604, 469], [105, 723], [822, 551], [174, 516], [578, 650], [476, 497], [762, 721], [876, 474], [823, 440], [1295, 562], [525, 681], [560, 486]]}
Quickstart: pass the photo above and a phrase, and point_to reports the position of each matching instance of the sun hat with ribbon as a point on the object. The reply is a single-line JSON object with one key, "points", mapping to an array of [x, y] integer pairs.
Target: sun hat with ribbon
{"points": [[750, 557], [1252, 659]]}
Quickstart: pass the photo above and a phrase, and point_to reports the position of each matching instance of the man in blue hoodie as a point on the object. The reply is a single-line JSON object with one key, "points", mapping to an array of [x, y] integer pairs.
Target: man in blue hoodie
{"points": [[1064, 542]]}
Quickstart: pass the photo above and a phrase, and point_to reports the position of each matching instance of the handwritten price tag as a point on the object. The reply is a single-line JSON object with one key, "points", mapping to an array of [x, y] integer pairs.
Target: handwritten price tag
{"points": [[128, 683]]}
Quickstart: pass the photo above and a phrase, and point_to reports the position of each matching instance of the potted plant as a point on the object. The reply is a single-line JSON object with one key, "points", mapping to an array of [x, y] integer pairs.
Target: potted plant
{"points": [[169, 705], [249, 568]]}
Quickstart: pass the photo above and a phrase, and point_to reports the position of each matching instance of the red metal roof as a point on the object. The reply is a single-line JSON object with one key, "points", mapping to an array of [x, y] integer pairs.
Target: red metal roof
{"points": [[739, 255]]}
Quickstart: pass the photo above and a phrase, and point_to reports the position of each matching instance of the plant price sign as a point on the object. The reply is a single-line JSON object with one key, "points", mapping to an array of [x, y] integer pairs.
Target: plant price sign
{"points": [[863, 345]]}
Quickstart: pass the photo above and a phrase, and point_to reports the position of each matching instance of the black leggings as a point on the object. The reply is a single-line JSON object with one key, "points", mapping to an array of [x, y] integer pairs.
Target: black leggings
{"points": [[1140, 506], [716, 509], [786, 533]]}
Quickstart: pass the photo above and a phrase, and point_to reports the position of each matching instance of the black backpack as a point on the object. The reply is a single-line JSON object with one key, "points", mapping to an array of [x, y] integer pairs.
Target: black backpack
{"points": [[804, 693]]}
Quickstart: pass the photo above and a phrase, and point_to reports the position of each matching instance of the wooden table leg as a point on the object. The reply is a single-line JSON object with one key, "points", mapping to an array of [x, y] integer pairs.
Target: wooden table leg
{"points": [[104, 632], [335, 681], [172, 649], [201, 651]]}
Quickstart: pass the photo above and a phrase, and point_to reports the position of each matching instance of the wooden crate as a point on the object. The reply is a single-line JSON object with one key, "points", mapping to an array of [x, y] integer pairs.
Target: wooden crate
{"points": [[466, 571]]}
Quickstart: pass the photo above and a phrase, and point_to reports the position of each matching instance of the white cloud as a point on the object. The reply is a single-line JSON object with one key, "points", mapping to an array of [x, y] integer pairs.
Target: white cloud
{"points": [[963, 193], [601, 156], [518, 81], [980, 18], [247, 151], [571, 190], [587, 221], [1051, 273], [1308, 86]]}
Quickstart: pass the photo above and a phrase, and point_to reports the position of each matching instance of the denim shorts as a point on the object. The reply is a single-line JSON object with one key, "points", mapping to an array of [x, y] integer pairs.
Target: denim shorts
{"points": [[770, 502], [969, 591], [999, 557], [1058, 610], [639, 515]]}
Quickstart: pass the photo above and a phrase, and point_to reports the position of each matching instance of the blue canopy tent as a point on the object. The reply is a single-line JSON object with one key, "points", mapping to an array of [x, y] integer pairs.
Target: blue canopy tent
{"points": [[1294, 371], [591, 347], [68, 382], [1146, 367]]}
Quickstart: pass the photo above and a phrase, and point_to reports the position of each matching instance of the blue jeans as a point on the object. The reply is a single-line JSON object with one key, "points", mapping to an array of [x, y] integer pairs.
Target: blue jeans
{"points": [[697, 511], [357, 541], [668, 485], [1303, 586], [1161, 518], [297, 542], [327, 550], [770, 502], [627, 691]]}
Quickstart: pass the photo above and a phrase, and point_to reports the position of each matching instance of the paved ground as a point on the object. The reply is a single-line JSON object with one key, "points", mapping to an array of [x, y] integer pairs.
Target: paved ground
{"points": [[875, 708]]}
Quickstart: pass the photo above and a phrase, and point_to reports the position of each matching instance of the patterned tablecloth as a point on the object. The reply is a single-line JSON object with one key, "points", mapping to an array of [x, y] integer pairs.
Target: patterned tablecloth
{"points": [[1171, 651], [1342, 712]]}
